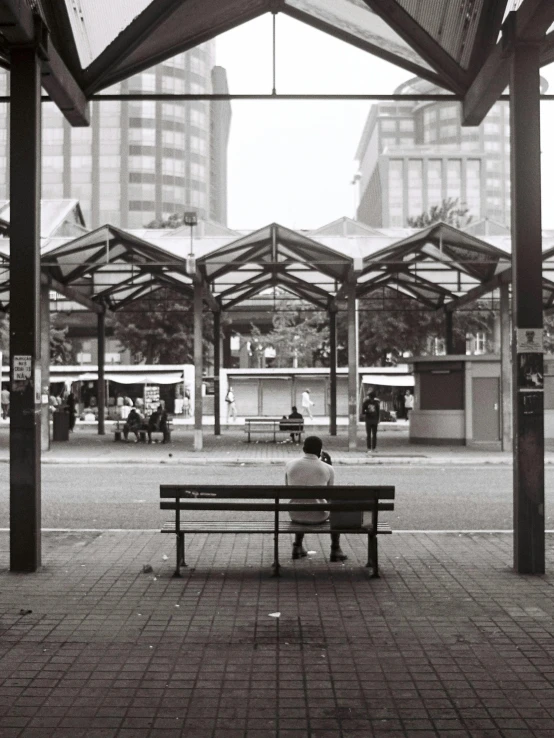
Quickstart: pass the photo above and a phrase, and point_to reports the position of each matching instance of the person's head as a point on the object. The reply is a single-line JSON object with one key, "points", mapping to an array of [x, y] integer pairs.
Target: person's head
{"points": [[307, 390], [294, 410], [372, 395], [312, 445]]}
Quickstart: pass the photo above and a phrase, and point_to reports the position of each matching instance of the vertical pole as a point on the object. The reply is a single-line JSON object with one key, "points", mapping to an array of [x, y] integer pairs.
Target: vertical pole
{"points": [[527, 310], [101, 373], [333, 371], [198, 368], [45, 365], [25, 417], [449, 332], [352, 365], [217, 366], [505, 367], [227, 347]]}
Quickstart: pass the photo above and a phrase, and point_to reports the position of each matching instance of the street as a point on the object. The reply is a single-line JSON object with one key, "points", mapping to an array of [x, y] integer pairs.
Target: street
{"points": [[126, 496]]}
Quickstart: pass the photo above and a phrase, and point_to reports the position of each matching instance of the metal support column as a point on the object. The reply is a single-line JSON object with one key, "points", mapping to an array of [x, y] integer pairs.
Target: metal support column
{"points": [[352, 364], [217, 367], [333, 372], [101, 378], [505, 368], [45, 366], [198, 368], [25, 414], [449, 332], [527, 310]]}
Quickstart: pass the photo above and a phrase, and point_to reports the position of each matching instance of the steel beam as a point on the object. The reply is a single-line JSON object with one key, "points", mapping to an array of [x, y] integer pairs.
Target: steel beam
{"points": [[449, 332], [101, 398], [527, 310], [20, 27], [505, 368], [333, 372], [45, 366], [217, 371], [352, 364], [198, 364], [530, 22], [25, 413]]}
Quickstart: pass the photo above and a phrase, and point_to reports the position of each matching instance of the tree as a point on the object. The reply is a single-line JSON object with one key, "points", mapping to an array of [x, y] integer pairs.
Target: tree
{"points": [[299, 338], [61, 350], [175, 220], [449, 211], [159, 329]]}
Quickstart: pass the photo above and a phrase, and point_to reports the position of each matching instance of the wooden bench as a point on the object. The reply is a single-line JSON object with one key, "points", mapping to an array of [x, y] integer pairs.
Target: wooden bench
{"points": [[273, 499], [274, 426], [143, 431]]}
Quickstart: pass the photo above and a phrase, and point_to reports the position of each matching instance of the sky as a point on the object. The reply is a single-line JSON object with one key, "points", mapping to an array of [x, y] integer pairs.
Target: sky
{"points": [[293, 162]]}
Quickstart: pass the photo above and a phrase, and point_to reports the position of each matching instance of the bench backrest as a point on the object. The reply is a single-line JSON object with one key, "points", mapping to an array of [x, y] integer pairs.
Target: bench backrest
{"points": [[183, 496]]}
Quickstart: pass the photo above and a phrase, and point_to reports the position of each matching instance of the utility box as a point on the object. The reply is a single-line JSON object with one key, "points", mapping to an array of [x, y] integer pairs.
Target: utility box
{"points": [[61, 426]]}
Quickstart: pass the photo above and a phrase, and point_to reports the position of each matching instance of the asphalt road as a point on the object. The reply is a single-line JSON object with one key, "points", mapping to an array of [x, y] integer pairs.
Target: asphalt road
{"points": [[427, 498]]}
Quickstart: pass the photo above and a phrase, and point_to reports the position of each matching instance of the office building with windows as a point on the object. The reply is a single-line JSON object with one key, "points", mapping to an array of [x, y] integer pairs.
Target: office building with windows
{"points": [[140, 161], [413, 155]]}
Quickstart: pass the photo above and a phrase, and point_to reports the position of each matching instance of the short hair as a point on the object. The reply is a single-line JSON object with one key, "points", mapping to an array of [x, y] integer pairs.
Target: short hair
{"points": [[312, 445], [294, 410]]}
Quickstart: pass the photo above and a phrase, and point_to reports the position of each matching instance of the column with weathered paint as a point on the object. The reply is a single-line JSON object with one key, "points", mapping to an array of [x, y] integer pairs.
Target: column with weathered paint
{"points": [[101, 318], [198, 364], [25, 412], [527, 310], [217, 367], [333, 372], [352, 364]]}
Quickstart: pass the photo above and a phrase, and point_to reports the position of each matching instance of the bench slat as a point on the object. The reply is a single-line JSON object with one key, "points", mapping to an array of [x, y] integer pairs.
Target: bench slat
{"points": [[345, 506], [259, 492], [246, 526]]}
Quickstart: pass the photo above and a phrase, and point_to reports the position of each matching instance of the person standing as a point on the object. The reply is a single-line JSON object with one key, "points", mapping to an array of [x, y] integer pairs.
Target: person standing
{"points": [[71, 409], [408, 403], [371, 411], [5, 401], [307, 404], [309, 470], [231, 405]]}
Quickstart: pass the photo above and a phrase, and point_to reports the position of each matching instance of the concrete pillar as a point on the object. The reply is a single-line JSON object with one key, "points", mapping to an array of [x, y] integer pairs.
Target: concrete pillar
{"points": [[45, 366], [227, 359], [333, 372], [198, 366], [527, 310], [25, 413], [217, 367], [352, 364], [505, 368], [101, 398]]}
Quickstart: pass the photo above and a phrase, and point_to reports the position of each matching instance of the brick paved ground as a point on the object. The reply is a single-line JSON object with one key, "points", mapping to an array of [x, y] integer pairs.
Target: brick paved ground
{"points": [[449, 642]]}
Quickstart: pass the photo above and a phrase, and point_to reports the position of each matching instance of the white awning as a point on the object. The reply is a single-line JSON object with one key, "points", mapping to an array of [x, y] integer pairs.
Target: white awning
{"points": [[122, 377], [389, 380]]}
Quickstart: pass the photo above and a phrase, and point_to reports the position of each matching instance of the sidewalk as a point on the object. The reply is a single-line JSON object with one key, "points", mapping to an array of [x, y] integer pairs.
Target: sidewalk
{"points": [[448, 643], [86, 447]]}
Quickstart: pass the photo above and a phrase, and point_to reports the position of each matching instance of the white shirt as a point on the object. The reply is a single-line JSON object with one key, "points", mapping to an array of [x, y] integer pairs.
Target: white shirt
{"points": [[309, 471], [306, 402], [409, 401]]}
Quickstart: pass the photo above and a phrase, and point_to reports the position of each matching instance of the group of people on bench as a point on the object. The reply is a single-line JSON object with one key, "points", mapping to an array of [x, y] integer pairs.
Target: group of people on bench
{"points": [[157, 422]]}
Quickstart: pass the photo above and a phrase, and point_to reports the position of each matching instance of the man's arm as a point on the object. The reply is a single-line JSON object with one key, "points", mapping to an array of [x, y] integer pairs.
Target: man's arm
{"points": [[331, 481]]}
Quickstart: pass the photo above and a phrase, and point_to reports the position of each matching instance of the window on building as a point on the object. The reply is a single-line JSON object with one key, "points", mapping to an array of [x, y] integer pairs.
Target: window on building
{"points": [[454, 178], [415, 187], [406, 124], [396, 191], [434, 182], [473, 186], [388, 125]]}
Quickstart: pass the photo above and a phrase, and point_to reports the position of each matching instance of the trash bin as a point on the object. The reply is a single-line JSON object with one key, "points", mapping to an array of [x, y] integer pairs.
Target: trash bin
{"points": [[61, 426]]}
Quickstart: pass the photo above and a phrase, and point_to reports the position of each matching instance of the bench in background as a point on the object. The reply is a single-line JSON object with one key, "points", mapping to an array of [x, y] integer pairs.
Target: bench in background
{"points": [[274, 426]]}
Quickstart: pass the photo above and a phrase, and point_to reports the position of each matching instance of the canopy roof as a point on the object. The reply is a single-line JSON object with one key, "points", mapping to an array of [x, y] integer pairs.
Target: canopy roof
{"points": [[92, 44]]}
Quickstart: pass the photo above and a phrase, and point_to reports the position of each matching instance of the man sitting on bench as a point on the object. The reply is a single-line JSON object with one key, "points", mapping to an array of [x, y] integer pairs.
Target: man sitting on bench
{"points": [[311, 471], [158, 422], [133, 424]]}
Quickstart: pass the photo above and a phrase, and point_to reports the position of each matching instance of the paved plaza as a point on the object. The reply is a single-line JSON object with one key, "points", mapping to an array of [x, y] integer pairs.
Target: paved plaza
{"points": [[103, 642], [449, 642]]}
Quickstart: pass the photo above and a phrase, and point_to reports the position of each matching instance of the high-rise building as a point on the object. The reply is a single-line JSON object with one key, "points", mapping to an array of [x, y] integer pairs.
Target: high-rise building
{"points": [[413, 155], [140, 160]]}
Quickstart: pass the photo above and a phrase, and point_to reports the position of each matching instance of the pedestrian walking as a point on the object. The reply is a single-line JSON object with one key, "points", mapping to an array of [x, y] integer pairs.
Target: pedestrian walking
{"points": [[5, 402], [371, 411], [307, 404], [408, 404], [231, 405]]}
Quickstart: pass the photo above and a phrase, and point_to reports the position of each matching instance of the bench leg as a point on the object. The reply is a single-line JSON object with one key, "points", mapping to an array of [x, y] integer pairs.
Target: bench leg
{"points": [[180, 551], [372, 556], [276, 565]]}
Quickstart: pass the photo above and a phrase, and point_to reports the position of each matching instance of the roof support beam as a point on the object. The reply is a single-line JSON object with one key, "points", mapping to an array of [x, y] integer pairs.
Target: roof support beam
{"points": [[504, 277], [452, 74], [20, 26], [73, 294], [529, 23]]}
